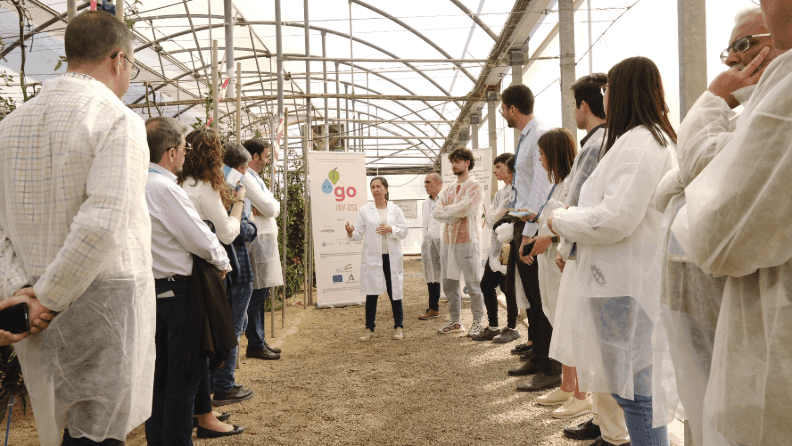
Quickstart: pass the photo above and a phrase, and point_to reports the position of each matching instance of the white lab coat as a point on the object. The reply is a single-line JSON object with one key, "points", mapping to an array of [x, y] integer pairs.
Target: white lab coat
{"points": [[372, 281], [616, 229], [736, 223], [264, 256], [430, 246], [496, 211], [456, 209]]}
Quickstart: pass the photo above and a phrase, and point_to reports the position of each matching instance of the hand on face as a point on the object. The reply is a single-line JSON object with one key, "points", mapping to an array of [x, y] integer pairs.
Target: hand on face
{"points": [[731, 80]]}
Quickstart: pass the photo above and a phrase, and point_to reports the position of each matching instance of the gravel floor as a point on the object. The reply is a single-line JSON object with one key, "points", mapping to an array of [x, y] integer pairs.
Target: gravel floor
{"points": [[331, 389]]}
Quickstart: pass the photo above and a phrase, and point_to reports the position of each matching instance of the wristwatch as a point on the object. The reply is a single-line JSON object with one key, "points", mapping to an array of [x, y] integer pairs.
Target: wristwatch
{"points": [[554, 239]]}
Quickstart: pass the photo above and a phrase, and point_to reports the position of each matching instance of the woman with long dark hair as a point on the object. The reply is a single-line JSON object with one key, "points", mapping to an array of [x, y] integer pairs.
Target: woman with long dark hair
{"points": [[615, 226]]}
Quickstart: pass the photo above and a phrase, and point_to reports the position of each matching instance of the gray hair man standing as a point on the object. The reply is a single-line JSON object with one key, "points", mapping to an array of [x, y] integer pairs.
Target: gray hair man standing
{"points": [[74, 164], [430, 247]]}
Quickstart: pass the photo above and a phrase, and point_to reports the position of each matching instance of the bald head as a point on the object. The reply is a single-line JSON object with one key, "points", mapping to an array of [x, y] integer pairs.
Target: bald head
{"points": [[433, 183], [749, 23]]}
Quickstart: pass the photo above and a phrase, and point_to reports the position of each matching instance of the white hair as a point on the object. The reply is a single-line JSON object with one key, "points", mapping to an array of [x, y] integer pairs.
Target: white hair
{"points": [[746, 14]]}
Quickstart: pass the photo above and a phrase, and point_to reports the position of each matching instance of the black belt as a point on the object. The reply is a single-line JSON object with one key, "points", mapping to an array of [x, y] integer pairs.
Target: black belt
{"points": [[175, 278]]}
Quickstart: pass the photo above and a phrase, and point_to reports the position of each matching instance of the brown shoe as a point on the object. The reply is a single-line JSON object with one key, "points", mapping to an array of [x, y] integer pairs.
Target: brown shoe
{"points": [[430, 314]]}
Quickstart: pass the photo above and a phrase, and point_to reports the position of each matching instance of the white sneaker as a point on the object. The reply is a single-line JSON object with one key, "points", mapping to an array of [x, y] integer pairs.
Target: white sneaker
{"points": [[452, 327], [573, 407], [367, 334], [557, 396], [398, 334], [475, 329]]}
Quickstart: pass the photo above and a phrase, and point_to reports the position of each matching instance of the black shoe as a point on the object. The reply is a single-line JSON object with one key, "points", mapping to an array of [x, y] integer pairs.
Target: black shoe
{"points": [[540, 381], [203, 432], [528, 368], [272, 349], [601, 442], [261, 353], [234, 396], [223, 416], [521, 349], [525, 357], [586, 430]]}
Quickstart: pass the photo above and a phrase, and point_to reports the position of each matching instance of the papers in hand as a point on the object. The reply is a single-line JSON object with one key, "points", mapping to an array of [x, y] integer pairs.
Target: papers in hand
{"points": [[233, 177], [522, 213]]}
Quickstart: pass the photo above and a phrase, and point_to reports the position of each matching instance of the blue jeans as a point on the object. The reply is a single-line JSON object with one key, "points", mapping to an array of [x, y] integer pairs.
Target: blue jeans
{"points": [[638, 415], [239, 298], [174, 389], [255, 328], [396, 305]]}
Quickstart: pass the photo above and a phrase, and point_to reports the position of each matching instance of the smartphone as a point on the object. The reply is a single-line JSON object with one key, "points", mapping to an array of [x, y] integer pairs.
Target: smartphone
{"points": [[15, 319], [527, 249]]}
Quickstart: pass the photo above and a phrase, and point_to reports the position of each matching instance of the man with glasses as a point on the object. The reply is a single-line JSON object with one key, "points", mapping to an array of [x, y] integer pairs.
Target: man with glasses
{"points": [[177, 233], [75, 236]]}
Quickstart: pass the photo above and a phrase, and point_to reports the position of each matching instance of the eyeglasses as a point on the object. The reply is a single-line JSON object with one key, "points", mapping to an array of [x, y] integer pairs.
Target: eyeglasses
{"points": [[186, 147], [742, 45], [502, 109], [604, 89], [135, 70]]}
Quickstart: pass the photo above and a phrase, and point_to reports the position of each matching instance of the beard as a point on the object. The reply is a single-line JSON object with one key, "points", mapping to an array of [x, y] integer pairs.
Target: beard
{"points": [[510, 123], [457, 172]]}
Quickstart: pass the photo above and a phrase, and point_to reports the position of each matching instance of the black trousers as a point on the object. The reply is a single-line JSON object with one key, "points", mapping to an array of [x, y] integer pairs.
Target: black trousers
{"points": [[68, 440], [490, 282], [540, 332]]}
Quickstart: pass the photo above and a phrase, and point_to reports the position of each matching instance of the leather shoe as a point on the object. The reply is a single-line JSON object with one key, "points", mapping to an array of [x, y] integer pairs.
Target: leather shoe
{"points": [[521, 349], [272, 349], [261, 353], [601, 442], [525, 357], [540, 381], [527, 368], [223, 416], [234, 396], [203, 432], [586, 430]]}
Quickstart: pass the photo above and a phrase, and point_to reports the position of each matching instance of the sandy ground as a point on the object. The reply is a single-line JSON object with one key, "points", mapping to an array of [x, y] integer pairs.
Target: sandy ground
{"points": [[331, 389]]}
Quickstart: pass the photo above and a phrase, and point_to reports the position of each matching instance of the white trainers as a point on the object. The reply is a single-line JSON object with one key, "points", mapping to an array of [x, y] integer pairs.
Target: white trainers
{"points": [[557, 396], [367, 334], [573, 407], [475, 329], [452, 327], [398, 334]]}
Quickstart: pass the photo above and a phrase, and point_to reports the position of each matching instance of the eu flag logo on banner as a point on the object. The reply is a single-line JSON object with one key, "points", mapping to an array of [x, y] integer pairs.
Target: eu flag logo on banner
{"points": [[338, 278]]}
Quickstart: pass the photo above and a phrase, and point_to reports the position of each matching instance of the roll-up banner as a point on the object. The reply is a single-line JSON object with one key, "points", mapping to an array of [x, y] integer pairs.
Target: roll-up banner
{"points": [[338, 192]]}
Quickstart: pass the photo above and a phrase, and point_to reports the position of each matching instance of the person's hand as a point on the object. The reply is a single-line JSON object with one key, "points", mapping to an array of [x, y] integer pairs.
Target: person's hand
{"points": [[39, 315], [560, 262], [528, 260], [240, 193], [529, 217], [223, 274], [540, 244], [734, 78], [349, 229], [383, 229]]}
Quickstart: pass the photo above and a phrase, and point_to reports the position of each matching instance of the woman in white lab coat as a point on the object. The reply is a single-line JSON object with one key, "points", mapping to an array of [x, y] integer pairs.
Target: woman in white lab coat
{"points": [[382, 227]]}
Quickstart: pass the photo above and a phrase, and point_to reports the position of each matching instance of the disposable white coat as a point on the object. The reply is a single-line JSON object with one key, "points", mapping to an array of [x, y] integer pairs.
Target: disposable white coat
{"points": [[372, 281], [549, 274], [264, 255], [430, 246], [456, 208], [616, 229], [81, 236], [736, 223], [496, 211], [568, 301]]}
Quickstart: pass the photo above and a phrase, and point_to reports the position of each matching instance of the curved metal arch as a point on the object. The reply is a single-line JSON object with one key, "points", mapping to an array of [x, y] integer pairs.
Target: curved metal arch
{"points": [[473, 16], [416, 32]]}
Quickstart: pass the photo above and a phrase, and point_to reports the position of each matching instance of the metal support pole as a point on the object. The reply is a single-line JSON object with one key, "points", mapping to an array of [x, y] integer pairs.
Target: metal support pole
{"points": [[591, 49], [324, 75], [692, 29], [492, 100], [215, 87], [279, 64], [281, 113], [273, 131], [285, 209], [228, 21], [120, 10], [71, 9], [338, 104], [566, 38], [475, 120], [308, 146], [239, 102], [517, 59], [348, 129]]}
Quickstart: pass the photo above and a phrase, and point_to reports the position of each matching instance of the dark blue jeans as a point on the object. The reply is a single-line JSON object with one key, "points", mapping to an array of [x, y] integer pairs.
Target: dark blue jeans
{"points": [[174, 389], [255, 313], [239, 298], [434, 295], [396, 305]]}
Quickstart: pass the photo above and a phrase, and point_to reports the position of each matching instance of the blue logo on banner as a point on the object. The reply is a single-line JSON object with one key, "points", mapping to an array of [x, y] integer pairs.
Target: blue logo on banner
{"points": [[338, 278]]}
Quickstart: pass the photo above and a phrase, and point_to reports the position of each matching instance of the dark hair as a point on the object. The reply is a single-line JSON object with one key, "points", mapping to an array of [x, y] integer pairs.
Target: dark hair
{"points": [[505, 158], [94, 35], [587, 88], [635, 98], [461, 153], [384, 183], [559, 148], [235, 155], [204, 162], [163, 133], [256, 146], [520, 97]]}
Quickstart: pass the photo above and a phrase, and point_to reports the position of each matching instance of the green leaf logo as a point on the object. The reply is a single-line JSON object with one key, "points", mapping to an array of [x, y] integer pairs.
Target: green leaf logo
{"points": [[334, 176]]}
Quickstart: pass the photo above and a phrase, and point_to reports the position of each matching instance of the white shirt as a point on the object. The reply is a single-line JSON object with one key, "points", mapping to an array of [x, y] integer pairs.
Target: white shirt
{"points": [[210, 207], [530, 179], [177, 232], [383, 216]]}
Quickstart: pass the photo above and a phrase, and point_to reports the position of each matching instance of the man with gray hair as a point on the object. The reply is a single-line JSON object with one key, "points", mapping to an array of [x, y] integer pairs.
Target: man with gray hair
{"points": [[177, 233], [430, 247], [76, 235]]}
